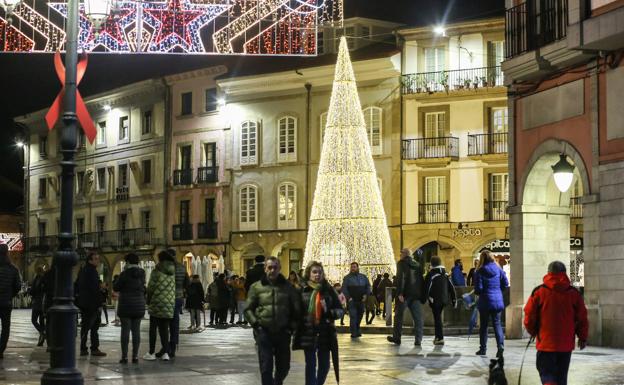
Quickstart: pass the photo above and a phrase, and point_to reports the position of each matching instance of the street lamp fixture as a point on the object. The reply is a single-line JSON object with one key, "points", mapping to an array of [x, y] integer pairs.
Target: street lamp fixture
{"points": [[19, 144], [107, 107], [563, 172], [439, 30], [97, 11], [9, 6]]}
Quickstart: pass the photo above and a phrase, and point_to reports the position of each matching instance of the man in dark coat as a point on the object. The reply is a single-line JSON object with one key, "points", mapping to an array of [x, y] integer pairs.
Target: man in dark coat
{"points": [[355, 287], [438, 291], [255, 273], [89, 302], [10, 285], [409, 290]]}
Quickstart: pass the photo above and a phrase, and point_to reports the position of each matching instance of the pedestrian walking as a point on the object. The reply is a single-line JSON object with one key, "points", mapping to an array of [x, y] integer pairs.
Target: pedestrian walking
{"points": [[161, 299], [439, 290], [371, 308], [273, 309], [355, 287], [376, 283], [89, 302], [490, 281], [409, 294], [10, 285], [256, 273], [104, 291], [195, 302], [130, 288], [381, 293], [240, 296], [316, 334], [181, 283], [343, 301], [457, 274], [37, 292], [555, 313]]}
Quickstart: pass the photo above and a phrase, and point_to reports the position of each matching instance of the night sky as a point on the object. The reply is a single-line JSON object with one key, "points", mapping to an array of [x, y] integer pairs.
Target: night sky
{"points": [[29, 82]]}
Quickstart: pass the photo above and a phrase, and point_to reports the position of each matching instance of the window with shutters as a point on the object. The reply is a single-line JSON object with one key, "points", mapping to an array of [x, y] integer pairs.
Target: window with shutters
{"points": [[248, 208], [100, 179], [435, 189], [123, 175], [435, 60], [287, 206], [372, 118], [249, 137], [498, 120], [435, 128], [495, 55], [322, 124], [499, 187], [287, 139]]}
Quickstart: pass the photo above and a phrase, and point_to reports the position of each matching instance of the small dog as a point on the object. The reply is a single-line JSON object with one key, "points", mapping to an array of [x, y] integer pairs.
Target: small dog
{"points": [[497, 373]]}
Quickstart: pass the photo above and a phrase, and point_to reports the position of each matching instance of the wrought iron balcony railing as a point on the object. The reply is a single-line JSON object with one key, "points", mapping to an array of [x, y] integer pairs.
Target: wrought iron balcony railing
{"points": [[117, 239], [496, 210], [433, 212], [207, 230], [122, 193], [183, 177], [183, 232], [452, 80], [486, 144], [576, 207], [426, 148], [207, 174]]}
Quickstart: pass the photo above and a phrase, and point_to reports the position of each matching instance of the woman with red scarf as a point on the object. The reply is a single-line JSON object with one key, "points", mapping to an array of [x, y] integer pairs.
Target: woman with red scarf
{"points": [[317, 333]]}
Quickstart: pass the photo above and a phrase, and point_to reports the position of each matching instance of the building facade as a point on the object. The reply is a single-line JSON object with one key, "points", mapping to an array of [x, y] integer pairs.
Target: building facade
{"points": [[119, 186], [565, 77]]}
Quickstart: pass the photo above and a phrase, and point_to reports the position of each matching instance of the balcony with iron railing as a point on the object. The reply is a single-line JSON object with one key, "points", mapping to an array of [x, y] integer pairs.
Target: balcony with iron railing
{"points": [[207, 230], [576, 207], [431, 148], [183, 232], [452, 80], [122, 193], [534, 24], [183, 177], [207, 174], [116, 239], [487, 144], [433, 212], [496, 210]]}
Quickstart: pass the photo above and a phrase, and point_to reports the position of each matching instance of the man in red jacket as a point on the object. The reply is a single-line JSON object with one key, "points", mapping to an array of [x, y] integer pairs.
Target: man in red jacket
{"points": [[554, 314]]}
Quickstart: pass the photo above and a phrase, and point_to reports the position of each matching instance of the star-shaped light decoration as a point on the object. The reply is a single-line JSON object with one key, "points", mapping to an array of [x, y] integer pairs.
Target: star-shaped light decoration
{"points": [[14, 40]]}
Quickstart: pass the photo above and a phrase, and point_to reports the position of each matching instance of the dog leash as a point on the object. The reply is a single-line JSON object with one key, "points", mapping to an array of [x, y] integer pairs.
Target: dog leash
{"points": [[523, 356]]}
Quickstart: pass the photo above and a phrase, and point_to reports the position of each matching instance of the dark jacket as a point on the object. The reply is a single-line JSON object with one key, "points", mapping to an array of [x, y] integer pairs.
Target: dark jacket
{"points": [[48, 284], [161, 291], [554, 313], [212, 296], [490, 281], [439, 287], [409, 279], [470, 278], [376, 283], [457, 276], [182, 280], [323, 335], [88, 289], [224, 294], [37, 291], [356, 286], [10, 283], [273, 306], [131, 288], [195, 296], [381, 289], [253, 275]]}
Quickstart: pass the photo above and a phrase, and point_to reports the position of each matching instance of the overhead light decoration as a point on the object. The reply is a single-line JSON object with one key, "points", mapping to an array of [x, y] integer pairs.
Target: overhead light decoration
{"points": [[563, 173], [348, 221]]}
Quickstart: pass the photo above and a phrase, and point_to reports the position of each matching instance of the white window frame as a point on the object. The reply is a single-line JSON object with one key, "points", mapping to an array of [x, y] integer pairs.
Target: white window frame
{"points": [[128, 174], [370, 115], [249, 143], [440, 197], [439, 59], [503, 194], [287, 205], [434, 128], [126, 138], [501, 121], [248, 207], [98, 187], [286, 139], [100, 139]]}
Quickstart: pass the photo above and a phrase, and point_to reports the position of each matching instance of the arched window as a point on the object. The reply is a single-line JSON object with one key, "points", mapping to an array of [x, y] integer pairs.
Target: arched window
{"points": [[322, 124], [248, 206], [287, 206], [287, 139], [372, 117], [249, 137]]}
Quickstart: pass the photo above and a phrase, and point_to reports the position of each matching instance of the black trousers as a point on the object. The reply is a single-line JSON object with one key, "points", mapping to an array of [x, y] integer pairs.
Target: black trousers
{"points": [[553, 367], [273, 348], [437, 319], [162, 325], [5, 319], [90, 326], [129, 325], [37, 317]]}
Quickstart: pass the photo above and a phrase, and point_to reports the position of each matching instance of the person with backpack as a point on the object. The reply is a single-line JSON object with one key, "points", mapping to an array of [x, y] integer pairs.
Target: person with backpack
{"points": [[555, 313], [438, 291], [130, 286]]}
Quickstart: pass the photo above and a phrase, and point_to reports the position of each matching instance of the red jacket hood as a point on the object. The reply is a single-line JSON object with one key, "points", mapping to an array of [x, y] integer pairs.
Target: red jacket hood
{"points": [[557, 281]]}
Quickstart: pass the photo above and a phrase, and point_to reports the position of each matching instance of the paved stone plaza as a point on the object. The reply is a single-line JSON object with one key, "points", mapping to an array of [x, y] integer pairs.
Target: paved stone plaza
{"points": [[227, 356]]}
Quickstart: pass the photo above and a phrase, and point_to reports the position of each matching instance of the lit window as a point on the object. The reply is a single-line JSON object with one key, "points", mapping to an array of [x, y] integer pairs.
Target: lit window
{"points": [[100, 179], [372, 117], [287, 133], [249, 135], [287, 206], [124, 129], [248, 206], [101, 133]]}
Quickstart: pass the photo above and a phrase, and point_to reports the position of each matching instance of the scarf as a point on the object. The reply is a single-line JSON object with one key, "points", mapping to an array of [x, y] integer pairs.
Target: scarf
{"points": [[315, 309]]}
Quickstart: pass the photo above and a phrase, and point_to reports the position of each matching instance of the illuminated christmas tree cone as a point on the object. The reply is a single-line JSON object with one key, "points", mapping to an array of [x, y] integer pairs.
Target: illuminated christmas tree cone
{"points": [[348, 222]]}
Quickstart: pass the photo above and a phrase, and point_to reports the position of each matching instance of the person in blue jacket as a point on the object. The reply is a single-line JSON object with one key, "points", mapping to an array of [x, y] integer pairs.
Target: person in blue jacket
{"points": [[355, 287], [457, 274], [490, 281]]}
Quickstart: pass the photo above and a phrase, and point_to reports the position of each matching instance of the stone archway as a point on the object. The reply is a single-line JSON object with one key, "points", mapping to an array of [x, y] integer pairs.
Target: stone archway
{"points": [[539, 225]]}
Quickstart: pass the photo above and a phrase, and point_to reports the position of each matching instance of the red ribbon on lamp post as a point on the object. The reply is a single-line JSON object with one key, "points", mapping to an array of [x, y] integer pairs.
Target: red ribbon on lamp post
{"points": [[82, 113]]}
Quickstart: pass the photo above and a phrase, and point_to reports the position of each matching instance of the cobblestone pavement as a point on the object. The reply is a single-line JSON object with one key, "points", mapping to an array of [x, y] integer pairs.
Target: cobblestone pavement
{"points": [[227, 356]]}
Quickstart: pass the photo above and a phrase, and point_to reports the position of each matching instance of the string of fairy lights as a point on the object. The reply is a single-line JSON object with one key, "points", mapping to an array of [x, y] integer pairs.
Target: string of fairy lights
{"points": [[347, 221], [273, 27]]}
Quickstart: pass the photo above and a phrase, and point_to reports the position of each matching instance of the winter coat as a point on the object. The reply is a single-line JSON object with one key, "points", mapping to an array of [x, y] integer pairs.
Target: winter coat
{"points": [[224, 293], [323, 335], [240, 294], [381, 289], [10, 283], [37, 291], [457, 276], [490, 281], [87, 285], [409, 279], [439, 288], [254, 275], [195, 296], [130, 286], [355, 286], [274, 306], [554, 313], [161, 291], [182, 280], [213, 296]]}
